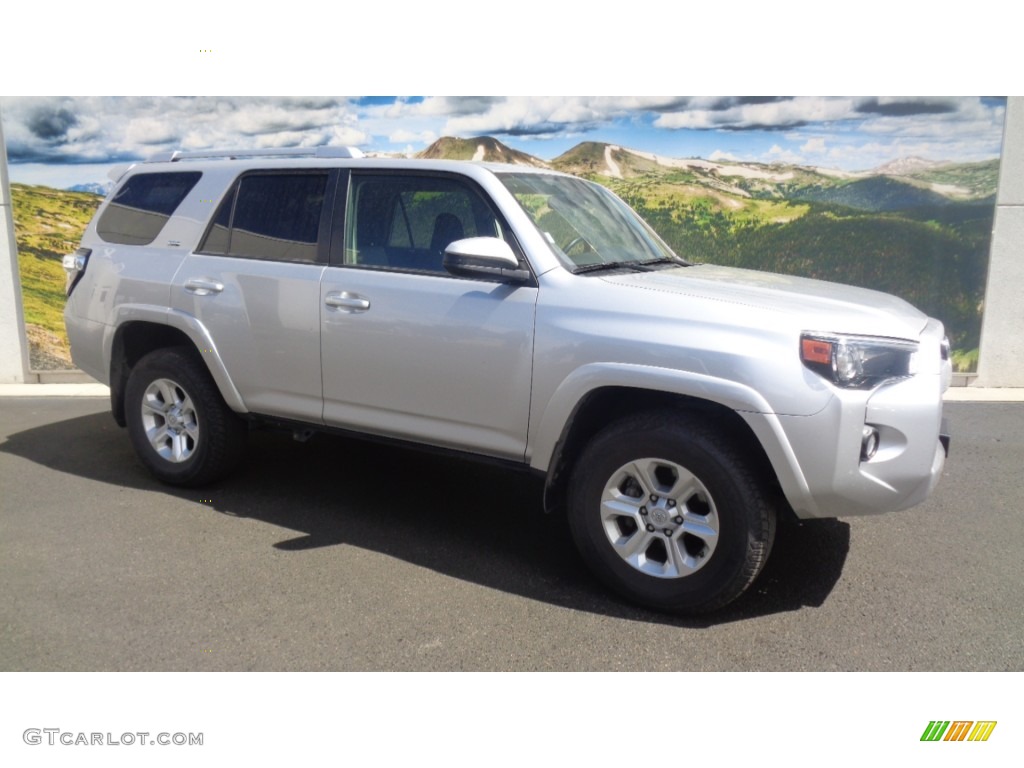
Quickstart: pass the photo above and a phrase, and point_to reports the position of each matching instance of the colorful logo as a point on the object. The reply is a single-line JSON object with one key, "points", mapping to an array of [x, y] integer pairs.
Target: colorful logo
{"points": [[958, 730]]}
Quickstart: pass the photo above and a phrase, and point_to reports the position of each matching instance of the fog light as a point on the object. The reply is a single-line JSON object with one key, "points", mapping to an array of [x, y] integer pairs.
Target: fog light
{"points": [[868, 443]]}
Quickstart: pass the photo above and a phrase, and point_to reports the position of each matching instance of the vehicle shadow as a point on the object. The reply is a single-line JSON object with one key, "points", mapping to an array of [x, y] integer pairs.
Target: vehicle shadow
{"points": [[467, 520]]}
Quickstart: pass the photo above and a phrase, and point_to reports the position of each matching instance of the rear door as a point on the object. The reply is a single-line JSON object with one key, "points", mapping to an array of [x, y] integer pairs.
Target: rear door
{"points": [[254, 282]]}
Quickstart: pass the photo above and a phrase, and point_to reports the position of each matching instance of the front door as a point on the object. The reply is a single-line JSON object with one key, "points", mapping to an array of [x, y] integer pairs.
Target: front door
{"points": [[409, 351]]}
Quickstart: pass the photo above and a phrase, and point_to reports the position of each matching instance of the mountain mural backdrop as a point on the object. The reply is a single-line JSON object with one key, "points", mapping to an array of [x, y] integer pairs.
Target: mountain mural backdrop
{"points": [[915, 228]]}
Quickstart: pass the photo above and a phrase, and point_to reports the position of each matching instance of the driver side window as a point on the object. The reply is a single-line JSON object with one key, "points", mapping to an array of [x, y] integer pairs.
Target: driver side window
{"points": [[406, 222]]}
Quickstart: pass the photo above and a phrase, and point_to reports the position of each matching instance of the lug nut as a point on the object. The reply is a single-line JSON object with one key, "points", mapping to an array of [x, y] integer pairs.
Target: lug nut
{"points": [[671, 503], [643, 510], [654, 499], [650, 528], [677, 520], [668, 532]]}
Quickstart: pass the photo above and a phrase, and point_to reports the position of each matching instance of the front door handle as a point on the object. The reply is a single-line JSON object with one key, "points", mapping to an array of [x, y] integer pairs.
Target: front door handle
{"points": [[203, 286], [347, 302]]}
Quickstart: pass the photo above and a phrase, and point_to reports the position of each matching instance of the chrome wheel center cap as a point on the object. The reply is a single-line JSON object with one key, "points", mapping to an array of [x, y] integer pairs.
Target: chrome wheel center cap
{"points": [[660, 516]]}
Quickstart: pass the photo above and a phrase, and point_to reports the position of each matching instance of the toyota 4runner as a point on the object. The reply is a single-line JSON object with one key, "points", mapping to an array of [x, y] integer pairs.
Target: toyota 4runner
{"points": [[522, 315]]}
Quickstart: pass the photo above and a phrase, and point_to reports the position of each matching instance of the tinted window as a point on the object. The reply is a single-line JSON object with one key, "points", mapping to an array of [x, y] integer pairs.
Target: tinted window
{"points": [[143, 204], [406, 222], [270, 216]]}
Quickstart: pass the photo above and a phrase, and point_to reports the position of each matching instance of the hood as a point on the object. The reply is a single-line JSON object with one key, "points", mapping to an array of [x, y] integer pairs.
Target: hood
{"points": [[814, 305]]}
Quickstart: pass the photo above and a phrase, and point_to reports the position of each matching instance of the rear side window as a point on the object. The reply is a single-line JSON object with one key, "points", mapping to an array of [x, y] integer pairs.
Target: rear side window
{"points": [[143, 204], [273, 216]]}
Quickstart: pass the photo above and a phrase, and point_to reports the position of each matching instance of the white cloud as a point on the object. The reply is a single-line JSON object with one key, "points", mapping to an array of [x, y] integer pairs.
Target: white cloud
{"points": [[113, 128], [917, 116], [278, 139], [422, 137], [149, 130], [547, 115], [857, 132], [347, 136], [779, 155], [770, 115], [814, 146], [521, 114]]}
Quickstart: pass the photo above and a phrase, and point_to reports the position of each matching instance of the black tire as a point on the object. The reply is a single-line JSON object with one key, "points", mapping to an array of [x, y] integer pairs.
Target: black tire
{"points": [[178, 423], [711, 513]]}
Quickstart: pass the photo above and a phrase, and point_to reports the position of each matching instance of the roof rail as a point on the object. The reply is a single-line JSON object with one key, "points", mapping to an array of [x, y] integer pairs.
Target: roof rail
{"points": [[233, 154]]}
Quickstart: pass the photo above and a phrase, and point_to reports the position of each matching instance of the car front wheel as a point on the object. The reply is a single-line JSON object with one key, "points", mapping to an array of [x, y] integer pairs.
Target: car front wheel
{"points": [[178, 423], [669, 513]]}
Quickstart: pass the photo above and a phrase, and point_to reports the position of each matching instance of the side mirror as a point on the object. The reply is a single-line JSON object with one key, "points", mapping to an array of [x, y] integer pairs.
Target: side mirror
{"points": [[487, 257]]}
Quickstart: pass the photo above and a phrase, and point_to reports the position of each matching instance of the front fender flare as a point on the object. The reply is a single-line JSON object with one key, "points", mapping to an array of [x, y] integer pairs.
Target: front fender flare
{"points": [[747, 402]]}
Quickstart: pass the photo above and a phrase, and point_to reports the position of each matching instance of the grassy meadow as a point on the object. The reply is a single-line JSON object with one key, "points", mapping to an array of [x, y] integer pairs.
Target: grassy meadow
{"points": [[48, 223]]}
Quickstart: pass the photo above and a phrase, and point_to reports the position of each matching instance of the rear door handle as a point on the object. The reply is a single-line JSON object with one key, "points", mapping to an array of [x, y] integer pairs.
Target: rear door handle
{"points": [[347, 302], [203, 286]]}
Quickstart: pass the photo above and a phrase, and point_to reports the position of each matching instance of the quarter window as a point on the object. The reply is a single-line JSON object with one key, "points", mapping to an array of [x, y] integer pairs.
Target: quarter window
{"points": [[142, 205], [218, 237]]}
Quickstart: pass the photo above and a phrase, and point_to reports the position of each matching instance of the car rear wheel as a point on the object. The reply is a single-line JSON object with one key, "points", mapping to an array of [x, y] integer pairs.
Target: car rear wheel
{"points": [[178, 423], [669, 513]]}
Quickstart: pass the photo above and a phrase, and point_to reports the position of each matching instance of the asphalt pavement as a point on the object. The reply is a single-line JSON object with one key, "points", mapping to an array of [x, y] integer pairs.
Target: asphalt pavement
{"points": [[338, 554]]}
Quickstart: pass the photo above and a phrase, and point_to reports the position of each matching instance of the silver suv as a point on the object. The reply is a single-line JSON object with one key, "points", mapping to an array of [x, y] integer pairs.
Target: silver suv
{"points": [[673, 409]]}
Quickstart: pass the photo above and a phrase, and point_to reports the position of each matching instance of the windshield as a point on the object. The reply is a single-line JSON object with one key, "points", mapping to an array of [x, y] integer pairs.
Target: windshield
{"points": [[585, 224]]}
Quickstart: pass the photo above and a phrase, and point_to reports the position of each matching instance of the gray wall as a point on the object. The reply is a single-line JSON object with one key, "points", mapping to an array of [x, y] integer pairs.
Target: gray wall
{"points": [[13, 346], [1001, 358]]}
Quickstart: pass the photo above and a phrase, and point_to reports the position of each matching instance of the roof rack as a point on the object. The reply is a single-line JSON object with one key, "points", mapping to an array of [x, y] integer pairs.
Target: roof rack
{"points": [[234, 154]]}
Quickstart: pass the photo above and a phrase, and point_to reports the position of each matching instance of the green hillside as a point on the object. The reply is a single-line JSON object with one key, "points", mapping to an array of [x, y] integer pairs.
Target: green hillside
{"points": [[48, 223], [936, 258], [590, 160], [978, 180], [482, 148], [877, 193]]}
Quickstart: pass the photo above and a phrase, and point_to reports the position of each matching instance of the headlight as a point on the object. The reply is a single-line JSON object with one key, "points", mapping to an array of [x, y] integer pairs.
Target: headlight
{"points": [[857, 362]]}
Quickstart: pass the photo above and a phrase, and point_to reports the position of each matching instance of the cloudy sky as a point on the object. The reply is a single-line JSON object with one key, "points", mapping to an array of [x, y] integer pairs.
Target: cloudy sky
{"points": [[61, 141]]}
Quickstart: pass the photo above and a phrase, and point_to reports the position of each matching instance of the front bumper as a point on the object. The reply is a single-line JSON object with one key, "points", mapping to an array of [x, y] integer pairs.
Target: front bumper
{"points": [[912, 448]]}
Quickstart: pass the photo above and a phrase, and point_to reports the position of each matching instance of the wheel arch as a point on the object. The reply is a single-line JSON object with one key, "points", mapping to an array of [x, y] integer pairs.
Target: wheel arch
{"points": [[141, 331], [605, 405]]}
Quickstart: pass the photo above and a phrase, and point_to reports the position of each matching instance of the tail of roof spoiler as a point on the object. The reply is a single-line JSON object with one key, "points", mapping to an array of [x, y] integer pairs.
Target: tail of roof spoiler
{"points": [[232, 154], [117, 171]]}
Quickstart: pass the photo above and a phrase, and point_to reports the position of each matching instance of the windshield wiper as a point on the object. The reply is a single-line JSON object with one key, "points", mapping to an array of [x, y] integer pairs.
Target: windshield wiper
{"points": [[666, 260], [636, 266]]}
